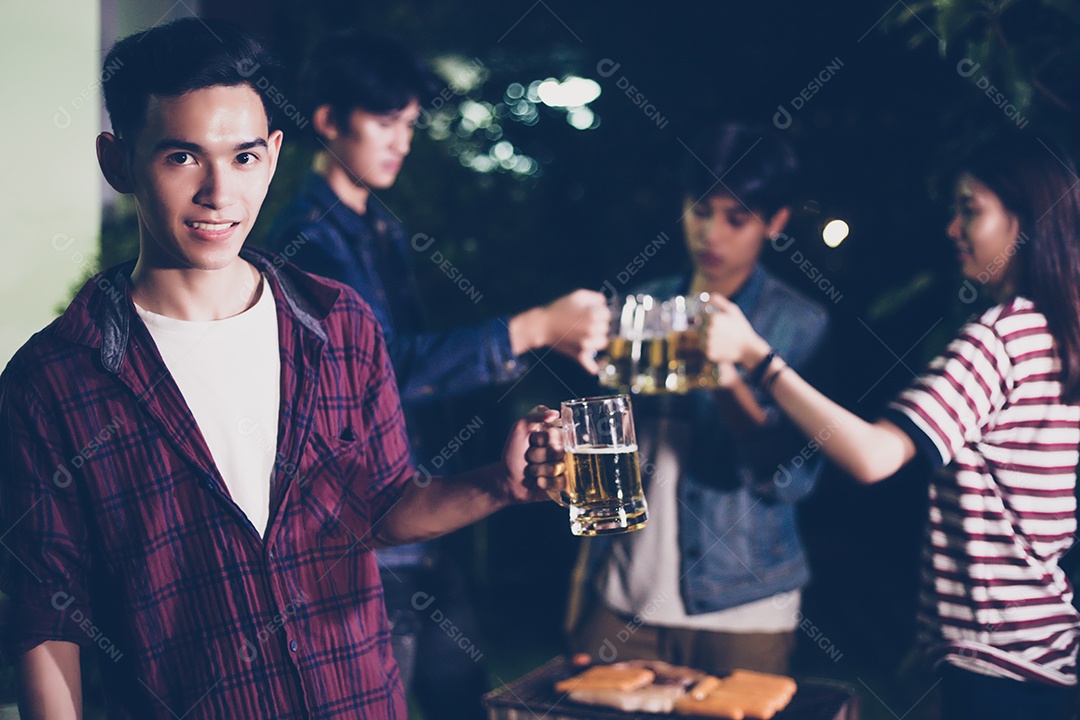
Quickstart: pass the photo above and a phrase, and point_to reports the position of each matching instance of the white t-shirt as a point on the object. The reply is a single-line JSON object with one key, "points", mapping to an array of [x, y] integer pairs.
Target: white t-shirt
{"points": [[641, 577], [229, 372]]}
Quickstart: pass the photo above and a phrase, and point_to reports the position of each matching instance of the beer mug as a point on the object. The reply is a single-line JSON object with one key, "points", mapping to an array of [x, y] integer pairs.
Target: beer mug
{"points": [[603, 479], [614, 360], [687, 367], [635, 359], [648, 347]]}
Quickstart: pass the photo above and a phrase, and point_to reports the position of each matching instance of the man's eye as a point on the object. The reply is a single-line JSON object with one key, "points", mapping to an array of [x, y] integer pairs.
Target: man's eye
{"points": [[247, 158], [701, 211], [180, 158], [737, 221]]}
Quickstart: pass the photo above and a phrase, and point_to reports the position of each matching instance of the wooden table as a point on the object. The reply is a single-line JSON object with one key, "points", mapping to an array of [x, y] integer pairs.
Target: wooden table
{"points": [[533, 696]]}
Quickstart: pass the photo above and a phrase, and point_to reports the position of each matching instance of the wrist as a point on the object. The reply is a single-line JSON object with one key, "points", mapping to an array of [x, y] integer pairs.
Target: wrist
{"points": [[500, 487], [528, 330], [757, 372], [754, 354], [775, 370]]}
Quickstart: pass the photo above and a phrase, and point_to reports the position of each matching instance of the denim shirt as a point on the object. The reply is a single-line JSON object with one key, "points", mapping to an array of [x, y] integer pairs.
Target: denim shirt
{"points": [[742, 491], [371, 254]]}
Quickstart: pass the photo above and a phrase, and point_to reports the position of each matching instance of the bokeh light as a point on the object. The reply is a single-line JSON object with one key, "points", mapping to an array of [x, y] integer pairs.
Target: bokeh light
{"points": [[834, 232], [572, 92]]}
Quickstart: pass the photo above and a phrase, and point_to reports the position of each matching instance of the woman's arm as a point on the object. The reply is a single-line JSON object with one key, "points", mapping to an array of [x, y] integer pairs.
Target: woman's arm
{"points": [[868, 451]]}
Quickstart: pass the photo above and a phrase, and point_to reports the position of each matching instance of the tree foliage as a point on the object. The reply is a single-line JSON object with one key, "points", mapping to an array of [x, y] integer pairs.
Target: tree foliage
{"points": [[1028, 50]]}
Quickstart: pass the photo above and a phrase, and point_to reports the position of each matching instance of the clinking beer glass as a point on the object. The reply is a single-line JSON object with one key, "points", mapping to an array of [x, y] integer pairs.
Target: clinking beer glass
{"points": [[657, 346], [603, 478], [688, 368], [636, 357]]}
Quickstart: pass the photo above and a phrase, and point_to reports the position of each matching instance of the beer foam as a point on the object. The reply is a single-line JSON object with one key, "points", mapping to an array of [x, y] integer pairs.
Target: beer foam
{"points": [[602, 449]]}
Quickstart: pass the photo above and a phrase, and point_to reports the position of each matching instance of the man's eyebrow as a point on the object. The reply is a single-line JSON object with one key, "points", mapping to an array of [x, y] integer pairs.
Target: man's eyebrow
{"points": [[174, 144], [256, 143]]}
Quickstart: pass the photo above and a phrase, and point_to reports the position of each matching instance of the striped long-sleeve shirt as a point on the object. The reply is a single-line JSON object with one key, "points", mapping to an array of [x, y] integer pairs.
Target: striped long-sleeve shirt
{"points": [[1003, 510]]}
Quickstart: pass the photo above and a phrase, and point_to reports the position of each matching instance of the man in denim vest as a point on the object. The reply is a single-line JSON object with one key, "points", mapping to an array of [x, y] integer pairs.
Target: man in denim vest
{"points": [[714, 580]]}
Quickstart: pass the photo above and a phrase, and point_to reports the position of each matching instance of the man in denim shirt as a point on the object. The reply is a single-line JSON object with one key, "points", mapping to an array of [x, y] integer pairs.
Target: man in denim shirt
{"points": [[365, 92], [714, 580]]}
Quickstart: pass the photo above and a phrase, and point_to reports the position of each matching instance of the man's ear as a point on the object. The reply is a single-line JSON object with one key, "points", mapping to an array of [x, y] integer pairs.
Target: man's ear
{"points": [[323, 121], [115, 163], [778, 222], [273, 150]]}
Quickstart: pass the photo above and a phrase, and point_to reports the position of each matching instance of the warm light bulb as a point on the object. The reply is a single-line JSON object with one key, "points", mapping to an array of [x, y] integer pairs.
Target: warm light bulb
{"points": [[834, 232]]}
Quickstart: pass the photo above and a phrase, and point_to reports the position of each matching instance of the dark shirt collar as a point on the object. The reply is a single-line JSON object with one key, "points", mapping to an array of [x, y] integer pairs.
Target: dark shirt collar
{"points": [[746, 297], [317, 191], [100, 315], [326, 202]]}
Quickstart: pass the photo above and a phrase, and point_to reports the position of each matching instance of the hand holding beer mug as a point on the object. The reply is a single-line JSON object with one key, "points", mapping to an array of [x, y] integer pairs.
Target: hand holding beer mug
{"points": [[603, 479]]}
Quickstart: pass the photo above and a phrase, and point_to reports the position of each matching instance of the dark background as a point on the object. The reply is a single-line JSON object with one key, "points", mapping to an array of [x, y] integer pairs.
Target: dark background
{"points": [[873, 140]]}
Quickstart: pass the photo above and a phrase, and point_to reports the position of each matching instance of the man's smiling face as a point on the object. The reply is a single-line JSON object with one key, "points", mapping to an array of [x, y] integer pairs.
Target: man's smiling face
{"points": [[200, 169]]}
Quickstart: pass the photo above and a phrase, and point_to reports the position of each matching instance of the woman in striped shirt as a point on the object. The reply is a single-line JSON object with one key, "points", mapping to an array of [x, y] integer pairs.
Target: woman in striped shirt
{"points": [[998, 413]]}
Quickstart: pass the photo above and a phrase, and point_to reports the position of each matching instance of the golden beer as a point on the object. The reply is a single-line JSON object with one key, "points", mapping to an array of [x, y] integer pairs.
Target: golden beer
{"points": [[616, 364], [688, 367], [638, 366], [650, 366], [656, 347], [604, 488]]}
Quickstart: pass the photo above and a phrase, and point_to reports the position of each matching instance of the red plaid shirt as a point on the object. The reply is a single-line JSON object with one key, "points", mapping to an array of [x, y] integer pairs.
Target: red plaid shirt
{"points": [[119, 534]]}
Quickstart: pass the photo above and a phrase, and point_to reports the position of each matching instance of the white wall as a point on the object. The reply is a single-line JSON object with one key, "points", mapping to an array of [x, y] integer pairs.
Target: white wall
{"points": [[50, 192]]}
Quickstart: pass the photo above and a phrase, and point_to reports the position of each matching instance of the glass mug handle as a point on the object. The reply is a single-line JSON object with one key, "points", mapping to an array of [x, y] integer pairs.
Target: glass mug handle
{"points": [[559, 496]]}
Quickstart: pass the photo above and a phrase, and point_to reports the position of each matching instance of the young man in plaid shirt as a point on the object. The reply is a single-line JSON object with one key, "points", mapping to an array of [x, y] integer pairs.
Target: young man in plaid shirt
{"points": [[201, 454]]}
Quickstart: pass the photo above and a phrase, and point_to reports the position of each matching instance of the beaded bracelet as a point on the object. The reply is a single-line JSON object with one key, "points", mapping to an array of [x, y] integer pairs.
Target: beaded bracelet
{"points": [[758, 373]]}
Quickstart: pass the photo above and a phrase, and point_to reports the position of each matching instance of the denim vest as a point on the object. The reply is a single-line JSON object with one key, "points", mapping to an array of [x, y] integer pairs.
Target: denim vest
{"points": [[743, 492]]}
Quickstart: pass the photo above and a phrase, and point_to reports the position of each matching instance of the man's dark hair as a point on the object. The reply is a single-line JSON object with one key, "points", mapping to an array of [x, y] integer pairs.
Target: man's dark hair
{"points": [[359, 70], [750, 163], [170, 60]]}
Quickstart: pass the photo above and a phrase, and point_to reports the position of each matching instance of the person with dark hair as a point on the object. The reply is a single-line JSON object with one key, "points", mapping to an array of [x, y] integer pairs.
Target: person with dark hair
{"points": [[714, 580], [998, 414], [364, 93], [199, 456]]}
